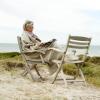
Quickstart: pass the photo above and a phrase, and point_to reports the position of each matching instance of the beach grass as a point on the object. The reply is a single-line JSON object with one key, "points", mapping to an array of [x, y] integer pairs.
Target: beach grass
{"points": [[91, 71], [8, 55], [91, 68]]}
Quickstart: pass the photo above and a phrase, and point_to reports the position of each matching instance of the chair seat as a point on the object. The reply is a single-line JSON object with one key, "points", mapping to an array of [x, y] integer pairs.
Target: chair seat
{"points": [[71, 57], [68, 61], [34, 60]]}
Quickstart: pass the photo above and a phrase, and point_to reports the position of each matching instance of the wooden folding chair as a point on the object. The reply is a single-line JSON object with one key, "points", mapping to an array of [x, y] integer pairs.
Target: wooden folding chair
{"points": [[75, 43], [30, 61]]}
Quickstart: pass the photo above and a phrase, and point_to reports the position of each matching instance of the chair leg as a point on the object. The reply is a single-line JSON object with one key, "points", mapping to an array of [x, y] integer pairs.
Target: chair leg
{"points": [[29, 71], [82, 75], [63, 77], [58, 70], [35, 66], [25, 72]]}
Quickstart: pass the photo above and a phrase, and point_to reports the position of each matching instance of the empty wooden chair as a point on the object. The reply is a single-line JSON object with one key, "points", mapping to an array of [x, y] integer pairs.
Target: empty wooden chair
{"points": [[80, 46]]}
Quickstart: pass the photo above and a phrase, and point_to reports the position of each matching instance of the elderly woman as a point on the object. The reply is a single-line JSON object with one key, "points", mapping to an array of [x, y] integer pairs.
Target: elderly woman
{"points": [[31, 42]]}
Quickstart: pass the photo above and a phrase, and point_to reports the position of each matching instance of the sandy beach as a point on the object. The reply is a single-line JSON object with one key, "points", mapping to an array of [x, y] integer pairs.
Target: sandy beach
{"points": [[15, 87]]}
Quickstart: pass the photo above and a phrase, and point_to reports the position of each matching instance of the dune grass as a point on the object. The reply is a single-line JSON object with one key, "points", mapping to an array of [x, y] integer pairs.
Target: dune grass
{"points": [[8, 55], [91, 68]]}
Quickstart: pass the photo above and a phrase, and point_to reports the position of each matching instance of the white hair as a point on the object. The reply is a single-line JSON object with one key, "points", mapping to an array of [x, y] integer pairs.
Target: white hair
{"points": [[26, 24]]}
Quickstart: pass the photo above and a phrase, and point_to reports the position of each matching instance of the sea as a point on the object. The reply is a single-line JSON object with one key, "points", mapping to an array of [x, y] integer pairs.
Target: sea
{"points": [[13, 47]]}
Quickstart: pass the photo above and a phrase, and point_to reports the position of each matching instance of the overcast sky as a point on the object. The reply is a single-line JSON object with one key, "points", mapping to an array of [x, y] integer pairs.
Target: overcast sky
{"points": [[52, 19]]}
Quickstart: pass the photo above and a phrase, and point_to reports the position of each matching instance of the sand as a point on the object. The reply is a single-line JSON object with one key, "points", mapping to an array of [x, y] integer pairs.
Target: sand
{"points": [[15, 87]]}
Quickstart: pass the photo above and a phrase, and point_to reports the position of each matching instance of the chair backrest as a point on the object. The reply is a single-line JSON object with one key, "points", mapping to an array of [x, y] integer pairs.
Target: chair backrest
{"points": [[21, 48], [20, 43], [78, 43]]}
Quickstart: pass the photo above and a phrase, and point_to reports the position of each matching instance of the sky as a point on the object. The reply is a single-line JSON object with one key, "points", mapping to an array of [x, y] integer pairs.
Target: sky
{"points": [[52, 19]]}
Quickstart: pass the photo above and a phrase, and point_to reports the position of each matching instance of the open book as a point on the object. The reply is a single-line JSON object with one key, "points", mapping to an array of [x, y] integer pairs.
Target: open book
{"points": [[48, 44]]}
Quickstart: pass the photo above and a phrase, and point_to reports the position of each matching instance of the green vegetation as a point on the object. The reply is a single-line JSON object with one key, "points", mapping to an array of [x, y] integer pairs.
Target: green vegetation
{"points": [[91, 68], [8, 55]]}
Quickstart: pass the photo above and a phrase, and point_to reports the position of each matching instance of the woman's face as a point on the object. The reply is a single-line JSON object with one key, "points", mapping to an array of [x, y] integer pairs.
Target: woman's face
{"points": [[29, 28]]}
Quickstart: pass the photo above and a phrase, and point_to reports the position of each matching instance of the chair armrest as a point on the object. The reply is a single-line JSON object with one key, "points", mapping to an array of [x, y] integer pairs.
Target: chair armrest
{"points": [[38, 51]]}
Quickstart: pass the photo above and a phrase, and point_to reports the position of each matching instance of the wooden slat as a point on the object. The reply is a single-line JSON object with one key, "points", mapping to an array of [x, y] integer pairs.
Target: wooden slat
{"points": [[78, 43], [19, 43], [68, 61], [34, 62], [32, 52], [80, 38], [77, 47], [75, 80]]}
